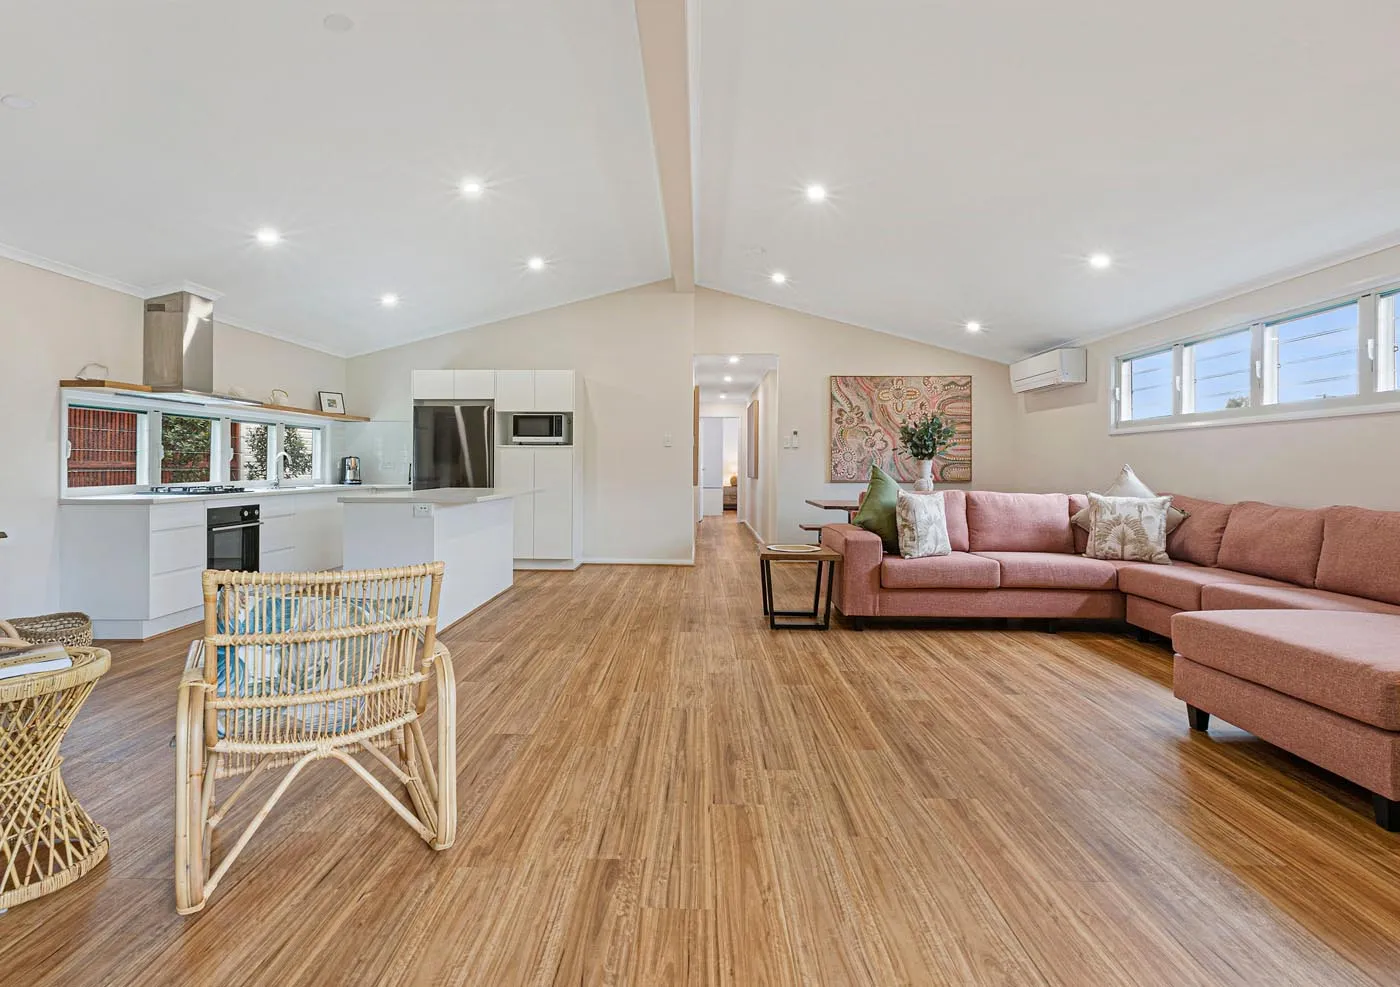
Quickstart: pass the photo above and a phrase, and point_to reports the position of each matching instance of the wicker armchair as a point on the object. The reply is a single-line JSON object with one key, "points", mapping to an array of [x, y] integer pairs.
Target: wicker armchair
{"points": [[299, 667]]}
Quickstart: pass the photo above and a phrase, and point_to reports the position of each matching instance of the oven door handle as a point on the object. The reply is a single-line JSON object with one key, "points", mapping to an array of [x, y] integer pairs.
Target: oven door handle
{"points": [[235, 527]]}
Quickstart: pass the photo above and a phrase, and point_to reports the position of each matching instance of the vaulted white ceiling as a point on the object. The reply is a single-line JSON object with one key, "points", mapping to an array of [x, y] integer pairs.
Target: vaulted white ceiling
{"points": [[166, 133], [974, 153]]}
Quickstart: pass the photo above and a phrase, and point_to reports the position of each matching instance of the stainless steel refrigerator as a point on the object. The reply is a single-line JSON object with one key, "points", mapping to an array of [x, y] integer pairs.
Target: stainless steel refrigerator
{"points": [[454, 444]]}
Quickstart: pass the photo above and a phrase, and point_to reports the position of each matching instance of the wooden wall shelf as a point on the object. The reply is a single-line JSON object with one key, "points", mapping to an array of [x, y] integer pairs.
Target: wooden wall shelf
{"points": [[212, 402]]}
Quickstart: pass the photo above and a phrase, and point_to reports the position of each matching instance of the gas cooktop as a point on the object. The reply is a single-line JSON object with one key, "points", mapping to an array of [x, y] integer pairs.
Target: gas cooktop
{"points": [[189, 490]]}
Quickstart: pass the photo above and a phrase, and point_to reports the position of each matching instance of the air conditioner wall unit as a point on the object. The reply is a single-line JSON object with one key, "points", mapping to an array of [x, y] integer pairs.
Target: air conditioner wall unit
{"points": [[1057, 368]]}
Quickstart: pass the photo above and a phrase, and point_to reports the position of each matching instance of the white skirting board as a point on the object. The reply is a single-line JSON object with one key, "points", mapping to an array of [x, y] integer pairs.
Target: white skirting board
{"points": [[639, 561], [142, 630]]}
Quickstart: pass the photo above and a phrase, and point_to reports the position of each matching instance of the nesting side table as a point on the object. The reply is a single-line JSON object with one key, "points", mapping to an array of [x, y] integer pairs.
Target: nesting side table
{"points": [[47, 840], [815, 619]]}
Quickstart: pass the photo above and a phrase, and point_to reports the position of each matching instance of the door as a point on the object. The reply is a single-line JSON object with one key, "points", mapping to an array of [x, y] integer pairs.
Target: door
{"points": [[554, 390], [554, 503], [712, 466], [515, 390], [515, 470]]}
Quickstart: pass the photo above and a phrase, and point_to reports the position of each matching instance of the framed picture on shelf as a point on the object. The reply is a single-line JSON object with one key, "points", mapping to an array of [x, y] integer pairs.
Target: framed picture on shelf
{"points": [[332, 402]]}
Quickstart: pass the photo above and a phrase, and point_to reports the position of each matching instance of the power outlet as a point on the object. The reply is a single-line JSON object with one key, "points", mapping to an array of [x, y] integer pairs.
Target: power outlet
{"points": [[422, 510]]}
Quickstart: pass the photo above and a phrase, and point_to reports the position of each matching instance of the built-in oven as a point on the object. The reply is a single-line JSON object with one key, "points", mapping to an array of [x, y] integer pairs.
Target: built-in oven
{"points": [[542, 428], [233, 537]]}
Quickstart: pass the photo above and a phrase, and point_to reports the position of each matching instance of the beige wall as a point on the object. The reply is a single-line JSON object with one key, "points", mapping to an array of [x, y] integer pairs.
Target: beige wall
{"points": [[809, 351], [1065, 445], [50, 326], [632, 353]]}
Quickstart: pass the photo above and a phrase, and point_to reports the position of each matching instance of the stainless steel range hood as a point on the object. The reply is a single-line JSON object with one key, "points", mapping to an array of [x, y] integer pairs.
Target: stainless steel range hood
{"points": [[179, 343]]}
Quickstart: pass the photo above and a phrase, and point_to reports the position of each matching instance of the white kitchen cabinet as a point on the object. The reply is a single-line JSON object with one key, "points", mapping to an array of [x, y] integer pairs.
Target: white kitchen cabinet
{"points": [[515, 470], [554, 390], [473, 385], [554, 503], [433, 385], [515, 390]]}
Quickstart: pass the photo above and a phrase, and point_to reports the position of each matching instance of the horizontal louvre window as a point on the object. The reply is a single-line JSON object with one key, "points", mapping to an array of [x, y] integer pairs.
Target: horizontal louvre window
{"points": [[1149, 385], [1316, 355], [1217, 372], [302, 448], [248, 441]]}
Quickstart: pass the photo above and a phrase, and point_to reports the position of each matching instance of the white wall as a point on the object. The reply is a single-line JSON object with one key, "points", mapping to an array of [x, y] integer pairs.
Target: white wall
{"points": [[50, 326], [633, 355], [1065, 445], [810, 350]]}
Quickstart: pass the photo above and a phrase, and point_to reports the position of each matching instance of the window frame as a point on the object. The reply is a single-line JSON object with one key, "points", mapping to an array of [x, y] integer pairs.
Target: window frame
{"points": [[148, 442], [1373, 395]]}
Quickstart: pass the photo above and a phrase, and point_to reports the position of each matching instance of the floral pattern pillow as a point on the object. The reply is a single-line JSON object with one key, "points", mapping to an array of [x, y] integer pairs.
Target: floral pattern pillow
{"points": [[923, 525], [1133, 529]]}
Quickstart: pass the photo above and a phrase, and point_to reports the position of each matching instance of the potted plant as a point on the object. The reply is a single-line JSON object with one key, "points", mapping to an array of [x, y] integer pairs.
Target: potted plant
{"points": [[923, 438]]}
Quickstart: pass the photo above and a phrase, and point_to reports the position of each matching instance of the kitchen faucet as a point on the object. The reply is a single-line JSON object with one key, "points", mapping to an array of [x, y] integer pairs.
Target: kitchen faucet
{"points": [[283, 456]]}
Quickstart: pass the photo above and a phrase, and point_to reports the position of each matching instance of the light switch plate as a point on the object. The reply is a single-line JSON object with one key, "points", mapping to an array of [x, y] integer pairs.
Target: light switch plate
{"points": [[666, 440], [422, 510]]}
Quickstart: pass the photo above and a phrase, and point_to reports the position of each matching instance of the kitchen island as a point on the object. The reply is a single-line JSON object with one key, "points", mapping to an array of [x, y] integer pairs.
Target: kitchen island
{"points": [[472, 530]]}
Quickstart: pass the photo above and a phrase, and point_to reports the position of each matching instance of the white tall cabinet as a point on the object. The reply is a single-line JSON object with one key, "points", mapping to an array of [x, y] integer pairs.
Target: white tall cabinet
{"points": [[548, 520]]}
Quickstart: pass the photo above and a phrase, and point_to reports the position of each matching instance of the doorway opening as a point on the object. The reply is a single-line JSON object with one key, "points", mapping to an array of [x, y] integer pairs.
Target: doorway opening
{"points": [[736, 402]]}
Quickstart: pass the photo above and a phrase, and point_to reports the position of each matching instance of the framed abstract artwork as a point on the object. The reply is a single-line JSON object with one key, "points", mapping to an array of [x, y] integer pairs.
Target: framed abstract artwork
{"points": [[866, 413]]}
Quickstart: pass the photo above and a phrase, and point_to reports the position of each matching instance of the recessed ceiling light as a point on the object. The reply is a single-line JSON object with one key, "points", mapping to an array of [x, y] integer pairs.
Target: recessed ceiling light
{"points": [[974, 327], [337, 23], [733, 359], [536, 263], [1100, 262], [17, 102], [269, 237], [816, 193], [778, 277], [389, 300], [722, 395], [471, 189], [728, 379]]}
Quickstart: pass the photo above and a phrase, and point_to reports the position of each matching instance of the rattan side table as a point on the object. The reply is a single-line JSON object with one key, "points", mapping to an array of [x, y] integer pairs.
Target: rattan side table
{"points": [[47, 840]]}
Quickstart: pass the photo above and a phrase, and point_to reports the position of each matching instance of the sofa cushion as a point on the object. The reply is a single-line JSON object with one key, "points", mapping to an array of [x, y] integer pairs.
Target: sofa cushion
{"points": [[1228, 596], [1177, 585], [1077, 503], [1345, 662], [1127, 484], [1130, 529], [1018, 522], [1278, 542], [923, 529], [1197, 539], [1360, 553], [957, 571], [955, 513], [876, 512], [1053, 570]]}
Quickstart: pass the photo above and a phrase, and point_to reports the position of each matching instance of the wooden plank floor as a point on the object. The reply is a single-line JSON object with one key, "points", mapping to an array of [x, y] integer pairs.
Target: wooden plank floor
{"points": [[655, 789]]}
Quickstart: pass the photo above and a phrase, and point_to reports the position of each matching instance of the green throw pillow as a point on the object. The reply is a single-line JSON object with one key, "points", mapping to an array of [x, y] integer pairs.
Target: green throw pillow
{"points": [[876, 512]]}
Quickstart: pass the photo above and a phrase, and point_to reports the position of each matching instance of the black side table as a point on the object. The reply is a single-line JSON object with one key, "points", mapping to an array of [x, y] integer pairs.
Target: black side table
{"points": [[816, 619]]}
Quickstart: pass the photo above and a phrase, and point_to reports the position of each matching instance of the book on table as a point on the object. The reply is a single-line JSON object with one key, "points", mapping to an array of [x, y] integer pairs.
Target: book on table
{"points": [[31, 661]]}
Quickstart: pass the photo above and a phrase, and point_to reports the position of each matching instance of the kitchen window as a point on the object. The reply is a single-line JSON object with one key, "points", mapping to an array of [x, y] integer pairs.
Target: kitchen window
{"points": [[302, 446], [106, 447], [186, 449], [1335, 358], [248, 450]]}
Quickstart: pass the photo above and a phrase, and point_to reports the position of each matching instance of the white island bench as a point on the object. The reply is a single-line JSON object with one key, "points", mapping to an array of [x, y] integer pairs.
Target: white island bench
{"points": [[471, 530]]}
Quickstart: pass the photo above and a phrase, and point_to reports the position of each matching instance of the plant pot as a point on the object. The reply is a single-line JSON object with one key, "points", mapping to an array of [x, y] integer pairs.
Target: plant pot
{"points": [[924, 484]]}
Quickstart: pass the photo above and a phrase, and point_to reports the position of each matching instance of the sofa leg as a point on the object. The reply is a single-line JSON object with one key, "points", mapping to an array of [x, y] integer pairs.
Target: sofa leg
{"points": [[1387, 813], [857, 623], [1052, 626], [1144, 635], [1199, 719]]}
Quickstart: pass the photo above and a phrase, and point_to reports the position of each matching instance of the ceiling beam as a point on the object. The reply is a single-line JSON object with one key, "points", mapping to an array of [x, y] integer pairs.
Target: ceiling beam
{"points": [[666, 67]]}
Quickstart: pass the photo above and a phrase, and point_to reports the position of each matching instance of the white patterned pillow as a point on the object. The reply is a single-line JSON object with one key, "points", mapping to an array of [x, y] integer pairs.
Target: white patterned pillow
{"points": [[1128, 485], [1133, 529], [923, 525]]}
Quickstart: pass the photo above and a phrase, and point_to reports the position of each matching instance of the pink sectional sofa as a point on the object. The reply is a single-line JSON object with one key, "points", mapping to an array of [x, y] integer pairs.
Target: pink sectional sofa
{"points": [[1319, 675]]}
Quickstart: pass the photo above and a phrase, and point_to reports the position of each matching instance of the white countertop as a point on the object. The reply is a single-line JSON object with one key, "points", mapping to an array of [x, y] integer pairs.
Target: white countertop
{"points": [[251, 494], [442, 497]]}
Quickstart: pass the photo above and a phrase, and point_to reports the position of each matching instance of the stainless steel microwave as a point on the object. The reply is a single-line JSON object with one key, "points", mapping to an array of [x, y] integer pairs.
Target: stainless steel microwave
{"points": [[541, 428]]}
